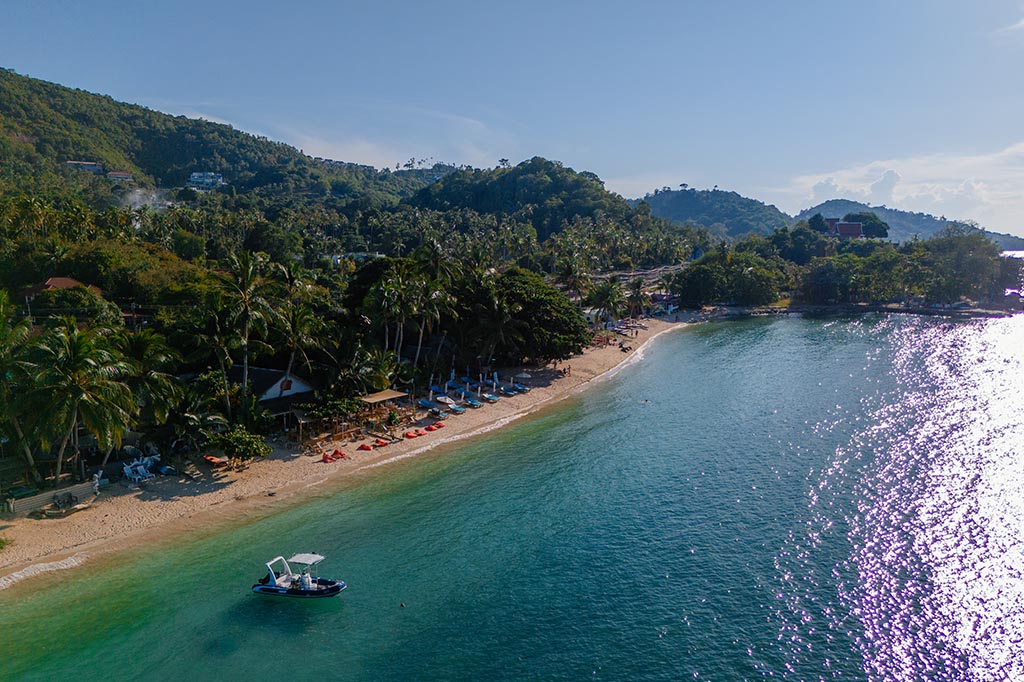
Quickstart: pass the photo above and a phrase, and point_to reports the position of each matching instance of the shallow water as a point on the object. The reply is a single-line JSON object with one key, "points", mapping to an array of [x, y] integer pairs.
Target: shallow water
{"points": [[798, 499]]}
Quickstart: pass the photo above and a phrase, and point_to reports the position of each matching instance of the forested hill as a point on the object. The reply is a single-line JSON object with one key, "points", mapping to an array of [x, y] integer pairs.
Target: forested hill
{"points": [[726, 214], [44, 125], [903, 225], [542, 192]]}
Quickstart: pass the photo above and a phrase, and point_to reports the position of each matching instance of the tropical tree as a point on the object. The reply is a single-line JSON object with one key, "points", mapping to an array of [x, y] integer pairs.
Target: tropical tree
{"points": [[572, 275], [210, 333], [150, 377], [551, 325], [372, 369], [194, 418], [608, 299], [79, 380], [14, 344], [246, 295], [637, 298], [433, 302], [301, 330], [497, 325]]}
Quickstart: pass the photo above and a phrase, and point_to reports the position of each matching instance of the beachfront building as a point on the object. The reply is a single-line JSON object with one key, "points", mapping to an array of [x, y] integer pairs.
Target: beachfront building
{"points": [[271, 384], [277, 392]]}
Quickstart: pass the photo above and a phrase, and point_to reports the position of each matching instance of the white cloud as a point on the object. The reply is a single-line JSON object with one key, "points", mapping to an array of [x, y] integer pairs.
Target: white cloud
{"points": [[881, 190], [206, 117], [351, 149], [985, 187], [428, 134], [1012, 27], [635, 186]]}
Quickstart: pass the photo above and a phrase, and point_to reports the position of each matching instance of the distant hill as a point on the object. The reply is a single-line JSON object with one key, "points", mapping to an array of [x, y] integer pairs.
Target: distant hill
{"points": [[726, 214], [44, 125], [903, 225], [542, 192]]}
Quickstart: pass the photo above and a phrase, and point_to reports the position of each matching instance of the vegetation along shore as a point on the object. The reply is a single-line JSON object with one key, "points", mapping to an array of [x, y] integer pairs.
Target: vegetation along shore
{"points": [[192, 316]]}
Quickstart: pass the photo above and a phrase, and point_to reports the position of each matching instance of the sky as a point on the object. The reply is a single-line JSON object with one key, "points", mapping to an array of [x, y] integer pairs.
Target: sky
{"points": [[912, 104]]}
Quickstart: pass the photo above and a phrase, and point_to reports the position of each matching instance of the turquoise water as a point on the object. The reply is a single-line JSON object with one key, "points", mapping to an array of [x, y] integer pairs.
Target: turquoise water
{"points": [[794, 499]]}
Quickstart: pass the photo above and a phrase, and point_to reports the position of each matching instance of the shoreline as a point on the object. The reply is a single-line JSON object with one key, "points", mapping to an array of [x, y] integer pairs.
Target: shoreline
{"points": [[121, 519]]}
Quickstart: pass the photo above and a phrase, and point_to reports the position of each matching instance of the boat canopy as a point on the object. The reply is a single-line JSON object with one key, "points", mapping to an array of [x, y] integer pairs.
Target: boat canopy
{"points": [[309, 559]]}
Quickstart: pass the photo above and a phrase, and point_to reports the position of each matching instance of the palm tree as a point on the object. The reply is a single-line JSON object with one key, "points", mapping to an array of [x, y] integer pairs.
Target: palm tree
{"points": [[211, 335], [79, 380], [571, 274], [608, 299], [246, 294], [301, 331], [150, 361], [155, 389], [14, 343], [194, 418], [436, 262], [637, 299], [434, 302], [372, 370], [384, 303], [665, 282], [497, 325]]}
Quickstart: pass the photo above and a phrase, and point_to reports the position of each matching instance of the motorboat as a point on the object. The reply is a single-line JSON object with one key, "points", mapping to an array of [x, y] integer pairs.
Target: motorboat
{"points": [[282, 581]]}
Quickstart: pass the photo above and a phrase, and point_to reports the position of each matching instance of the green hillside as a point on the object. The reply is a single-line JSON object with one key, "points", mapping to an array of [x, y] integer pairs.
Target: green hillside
{"points": [[44, 125], [726, 214], [542, 192], [903, 225]]}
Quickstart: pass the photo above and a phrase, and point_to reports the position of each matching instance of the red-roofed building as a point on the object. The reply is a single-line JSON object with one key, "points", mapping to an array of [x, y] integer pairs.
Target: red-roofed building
{"points": [[59, 283], [844, 230], [850, 230]]}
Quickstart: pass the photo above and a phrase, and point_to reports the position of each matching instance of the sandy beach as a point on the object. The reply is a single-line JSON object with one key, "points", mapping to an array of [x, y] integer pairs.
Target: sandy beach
{"points": [[120, 518]]}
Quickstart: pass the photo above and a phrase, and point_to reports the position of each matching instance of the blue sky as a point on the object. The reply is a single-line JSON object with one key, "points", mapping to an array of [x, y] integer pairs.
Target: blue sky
{"points": [[916, 104]]}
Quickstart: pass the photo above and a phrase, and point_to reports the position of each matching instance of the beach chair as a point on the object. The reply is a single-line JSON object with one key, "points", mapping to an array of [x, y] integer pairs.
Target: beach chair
{"points": [[132, 475], [140, 469]]}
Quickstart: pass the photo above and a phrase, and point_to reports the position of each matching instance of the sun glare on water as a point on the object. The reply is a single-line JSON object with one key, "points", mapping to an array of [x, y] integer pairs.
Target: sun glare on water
{"points": [[938, 536]]}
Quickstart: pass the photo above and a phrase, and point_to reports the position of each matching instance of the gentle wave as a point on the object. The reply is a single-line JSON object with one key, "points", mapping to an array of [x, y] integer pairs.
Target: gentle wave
{"points": [[496, 424], [38, 569]]}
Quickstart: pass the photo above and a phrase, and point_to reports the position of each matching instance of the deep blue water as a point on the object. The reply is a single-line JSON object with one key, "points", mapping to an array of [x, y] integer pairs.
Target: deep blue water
{"points": [[792, 498]]}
